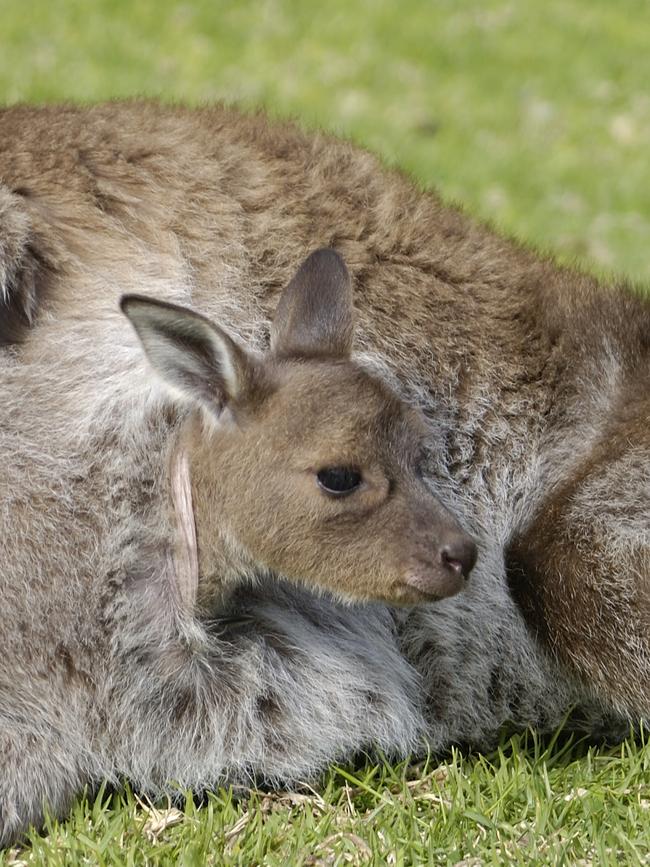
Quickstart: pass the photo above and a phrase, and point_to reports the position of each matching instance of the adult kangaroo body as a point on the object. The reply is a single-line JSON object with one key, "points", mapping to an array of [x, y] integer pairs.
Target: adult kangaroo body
{"points": [[534, 384]]}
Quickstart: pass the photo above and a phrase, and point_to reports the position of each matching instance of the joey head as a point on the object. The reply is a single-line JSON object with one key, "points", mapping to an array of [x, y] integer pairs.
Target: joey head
{"points": [[301, 462]]}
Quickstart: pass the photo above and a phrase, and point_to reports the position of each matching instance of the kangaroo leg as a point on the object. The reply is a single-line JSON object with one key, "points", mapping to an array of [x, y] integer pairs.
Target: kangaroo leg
{"points": [[581, 569]]}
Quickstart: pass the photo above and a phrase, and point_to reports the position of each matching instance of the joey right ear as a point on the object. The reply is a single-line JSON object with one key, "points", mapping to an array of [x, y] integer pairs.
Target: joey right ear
{"points": [[315, 316], [191, 354]]}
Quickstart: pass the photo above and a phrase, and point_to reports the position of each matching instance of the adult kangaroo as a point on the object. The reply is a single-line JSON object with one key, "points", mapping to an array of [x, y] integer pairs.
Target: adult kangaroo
{"points": [[148, 630]]}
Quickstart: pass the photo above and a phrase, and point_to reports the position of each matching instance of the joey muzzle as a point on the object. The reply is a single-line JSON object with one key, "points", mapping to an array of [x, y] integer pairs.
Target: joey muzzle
{"points": [[445, 571]]}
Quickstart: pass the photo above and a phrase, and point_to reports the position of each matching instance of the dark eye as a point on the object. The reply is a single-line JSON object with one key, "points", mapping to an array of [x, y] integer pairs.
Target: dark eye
{"points": [[339, 481]]}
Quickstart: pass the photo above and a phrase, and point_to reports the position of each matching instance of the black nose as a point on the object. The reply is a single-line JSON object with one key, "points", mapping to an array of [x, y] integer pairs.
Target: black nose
{"points": [[458, 555]]}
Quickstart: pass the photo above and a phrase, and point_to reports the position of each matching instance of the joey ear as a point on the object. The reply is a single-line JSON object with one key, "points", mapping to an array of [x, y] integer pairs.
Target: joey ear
{"points": [[315, 316], [192, 355]]}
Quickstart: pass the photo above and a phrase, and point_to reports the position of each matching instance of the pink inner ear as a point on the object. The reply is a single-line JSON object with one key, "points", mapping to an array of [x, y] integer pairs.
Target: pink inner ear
{"points": [[186, 559]]}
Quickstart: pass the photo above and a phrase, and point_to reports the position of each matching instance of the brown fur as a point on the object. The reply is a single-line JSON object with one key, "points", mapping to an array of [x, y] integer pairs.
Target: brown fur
{"points": [[587, 594]]}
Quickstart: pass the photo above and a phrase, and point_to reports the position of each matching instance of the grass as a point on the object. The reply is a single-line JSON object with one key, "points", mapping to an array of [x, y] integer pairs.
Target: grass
{"points": [[535, 115], [526, 803]]}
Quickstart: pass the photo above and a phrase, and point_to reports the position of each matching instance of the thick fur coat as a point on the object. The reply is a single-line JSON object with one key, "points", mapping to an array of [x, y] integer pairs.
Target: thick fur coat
{"points": [[534, 381]]}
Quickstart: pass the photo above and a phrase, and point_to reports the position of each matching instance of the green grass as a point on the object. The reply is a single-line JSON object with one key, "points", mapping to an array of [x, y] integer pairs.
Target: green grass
{"points": [[524, 804], [535, 114]]}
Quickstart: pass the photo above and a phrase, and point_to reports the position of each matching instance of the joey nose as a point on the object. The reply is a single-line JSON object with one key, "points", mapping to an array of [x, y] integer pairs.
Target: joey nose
{"points": [[445, 573], [458, 556]]}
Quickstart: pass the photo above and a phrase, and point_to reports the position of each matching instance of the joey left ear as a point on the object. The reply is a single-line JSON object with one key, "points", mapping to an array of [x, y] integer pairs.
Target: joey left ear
{"points": [[192, 355], [315, 316]]}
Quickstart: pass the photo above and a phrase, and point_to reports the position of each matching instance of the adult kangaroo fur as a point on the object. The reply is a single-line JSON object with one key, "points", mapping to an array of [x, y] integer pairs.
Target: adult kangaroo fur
{"points": [[533, 384]]}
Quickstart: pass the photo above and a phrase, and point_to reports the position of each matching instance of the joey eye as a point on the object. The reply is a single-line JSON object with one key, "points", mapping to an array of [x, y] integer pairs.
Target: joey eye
{"points": [[339, 481]]}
